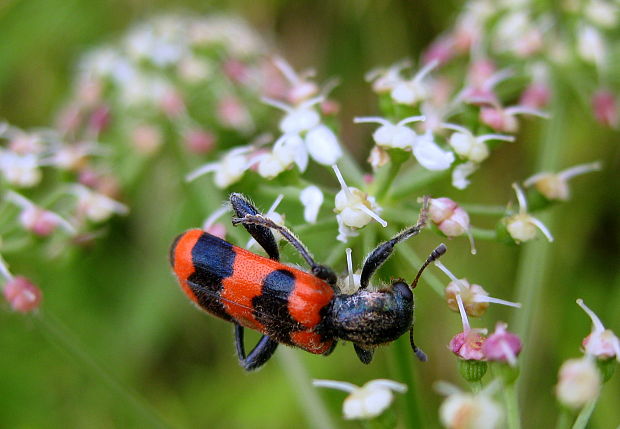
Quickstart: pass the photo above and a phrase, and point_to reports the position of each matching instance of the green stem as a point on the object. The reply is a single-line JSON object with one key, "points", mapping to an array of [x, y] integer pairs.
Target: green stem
{"points": [[484, 234], [585, 414], [312, 405], [350, 170], [385, 177], [564, 419], [405, 373], [484, 209], [475, 386], [413, 179], [60, 336], [511, 402]]}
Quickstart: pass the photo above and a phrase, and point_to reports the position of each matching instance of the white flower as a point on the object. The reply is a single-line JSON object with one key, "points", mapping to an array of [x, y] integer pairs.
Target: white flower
{"points": [[470, 147], [601, 343], [95, 206], [20, 170], [591, 46], [430, 155], [227, 171], [461, 173], [554, 186], [390, 135], [288, 149], [312, 199], [321, 142], [412, 91], [322, 145], [37, 219], [602, 13], [384, 80], [579, 382], [365, 402], [522, 226], [470, 411], [355, 208]]}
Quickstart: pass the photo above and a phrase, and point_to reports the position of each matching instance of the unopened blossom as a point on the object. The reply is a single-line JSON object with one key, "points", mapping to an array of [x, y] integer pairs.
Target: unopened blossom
{"points": [[36, 219], [450, 219], [482, 78], [322, 145], [312, 198], [601, 343], [605, 107], [228, 170], [554, 186], [504, 118], [390, 135], [233, 114], [429, 155], [95, 206], [354, 208], [146, 138], [535, 96], [579, 382], [25, 143], [413, 91], [462, 410], [502, 346], [199, 141], [470, 147], [20, 170], [367, 401], [522, 226], [461, 173], [22, 295]]}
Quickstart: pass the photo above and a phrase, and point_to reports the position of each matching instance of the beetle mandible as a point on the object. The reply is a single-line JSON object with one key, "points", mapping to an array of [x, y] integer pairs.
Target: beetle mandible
{"points": [[286, 304]]}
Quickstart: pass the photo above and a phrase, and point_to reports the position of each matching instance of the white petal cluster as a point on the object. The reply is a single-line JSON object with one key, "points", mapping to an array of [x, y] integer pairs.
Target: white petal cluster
{"points": [[430, 155], [470, 411], [20, 170], [312, 199], [228, 170], [95, 206], [579, 382], [367, 401]]}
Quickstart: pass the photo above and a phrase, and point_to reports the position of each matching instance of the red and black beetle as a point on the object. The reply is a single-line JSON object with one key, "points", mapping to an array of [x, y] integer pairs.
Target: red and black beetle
{"points": [[288, 305]]}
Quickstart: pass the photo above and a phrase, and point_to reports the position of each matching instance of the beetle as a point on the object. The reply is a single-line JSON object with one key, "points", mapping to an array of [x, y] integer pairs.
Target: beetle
{"points": [[286, 304]]}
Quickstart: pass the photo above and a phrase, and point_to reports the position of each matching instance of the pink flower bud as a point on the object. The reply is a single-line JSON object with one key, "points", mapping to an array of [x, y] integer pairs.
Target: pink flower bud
{"points": [[301, 91], [605, 108], [480, 71], [232, 113], [25, 144], [330, 107], [497, 119], [22, 295], [442, 50], [601, 343], [535, 96], [199, 141], [502, 346], [172, 104], [217, 229], [146, 139], [99, 119], [235, 70], [38, 221], [449, 217], [468, 345]]}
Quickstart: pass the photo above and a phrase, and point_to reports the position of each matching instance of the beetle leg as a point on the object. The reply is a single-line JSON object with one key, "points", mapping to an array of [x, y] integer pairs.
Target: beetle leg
{"points": [[263, 235], [418, 351], [365, 355], [382, 252], [260, 354], [320, 271]]}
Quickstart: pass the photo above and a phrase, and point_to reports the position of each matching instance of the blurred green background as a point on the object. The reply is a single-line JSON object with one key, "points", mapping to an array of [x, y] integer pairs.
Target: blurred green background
{"points": [[118, 345]]}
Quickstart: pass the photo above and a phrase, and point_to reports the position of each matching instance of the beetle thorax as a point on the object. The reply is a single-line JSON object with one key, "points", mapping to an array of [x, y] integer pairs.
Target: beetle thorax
{"points": [[371, 318]]}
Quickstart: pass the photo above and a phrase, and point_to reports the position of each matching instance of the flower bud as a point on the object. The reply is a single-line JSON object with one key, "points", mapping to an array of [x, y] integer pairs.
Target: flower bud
{"points": [[579, 382], [522, 226], [554, 186], [20, 170], [601, 343], [39, 221], [22, 295], [502, 346], [311, 198], [468, 344], [146, 138], [322, 145], [449, 217], [199, 141], [605, 107]]}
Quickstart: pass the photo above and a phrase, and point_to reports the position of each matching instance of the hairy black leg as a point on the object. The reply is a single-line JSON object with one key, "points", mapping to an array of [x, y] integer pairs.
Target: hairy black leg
{"points": [[321, 271], [365, 355], [418, 351], [260, 354], [382, 252], [263, 236]]}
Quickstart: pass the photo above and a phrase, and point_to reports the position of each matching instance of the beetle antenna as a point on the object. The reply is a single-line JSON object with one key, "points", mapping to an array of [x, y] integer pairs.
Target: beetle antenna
{"points": [[435, 254]]}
